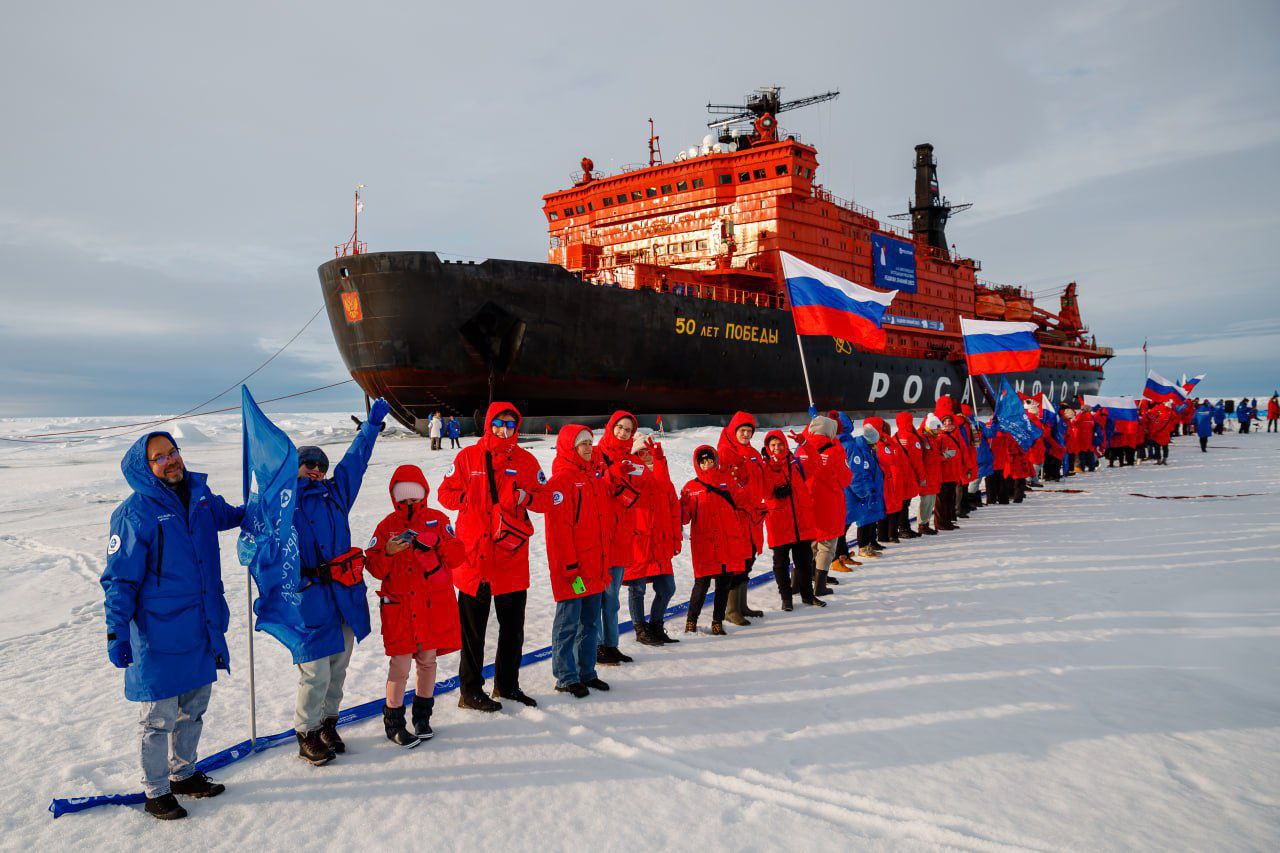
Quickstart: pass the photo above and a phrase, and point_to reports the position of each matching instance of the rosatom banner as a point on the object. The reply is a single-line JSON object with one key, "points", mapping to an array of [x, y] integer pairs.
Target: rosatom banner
{"points": [[894, 262]]}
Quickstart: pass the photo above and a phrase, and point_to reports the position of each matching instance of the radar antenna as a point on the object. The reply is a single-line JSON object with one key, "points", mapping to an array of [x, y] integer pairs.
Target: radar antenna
{"points": [[766, 100]]}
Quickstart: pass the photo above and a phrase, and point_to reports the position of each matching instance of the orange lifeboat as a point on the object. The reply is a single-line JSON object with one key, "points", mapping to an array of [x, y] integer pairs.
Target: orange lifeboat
{"points": [[988, 305]]}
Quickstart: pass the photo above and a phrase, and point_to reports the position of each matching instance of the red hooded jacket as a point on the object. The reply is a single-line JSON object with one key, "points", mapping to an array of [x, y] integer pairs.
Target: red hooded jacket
{"points": [[466, 488], [827, 474], [712, 505], [657, 533], [418, 606], [626, 479], [931, 454], [892, 462], [950, 444], [787, 499], [1162, 421], [913, 453], [577, 538], [746, 465]]}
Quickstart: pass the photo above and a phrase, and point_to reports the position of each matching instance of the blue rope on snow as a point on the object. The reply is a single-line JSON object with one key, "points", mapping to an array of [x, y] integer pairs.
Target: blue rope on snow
{"points": [[66, 805]]}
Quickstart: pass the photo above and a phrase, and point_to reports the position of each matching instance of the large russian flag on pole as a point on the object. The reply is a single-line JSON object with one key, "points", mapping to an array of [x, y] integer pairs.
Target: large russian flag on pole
{"points": [[823, 303], [1160, 389], [992, 346], [1118, 408], [1189, 384]]}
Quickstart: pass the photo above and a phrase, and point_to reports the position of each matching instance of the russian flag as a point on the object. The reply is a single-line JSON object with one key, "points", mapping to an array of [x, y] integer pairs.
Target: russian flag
{"points": [[1118, 408], [1160, 389], [823, 303], [992, 346], [1188, 384]]}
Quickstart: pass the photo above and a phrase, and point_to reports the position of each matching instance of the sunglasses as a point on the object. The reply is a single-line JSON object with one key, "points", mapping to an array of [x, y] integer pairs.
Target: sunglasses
{"points": [[316, 466], [502, 422], [166, 458]]}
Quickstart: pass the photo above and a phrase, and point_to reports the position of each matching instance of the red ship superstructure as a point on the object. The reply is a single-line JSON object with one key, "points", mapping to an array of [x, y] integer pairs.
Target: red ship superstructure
{"points": [[710, 225]]}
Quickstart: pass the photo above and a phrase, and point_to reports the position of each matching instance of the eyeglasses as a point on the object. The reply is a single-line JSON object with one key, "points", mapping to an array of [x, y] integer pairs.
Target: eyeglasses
{"points": [[502, 422], [166, 458], [318, 466]]}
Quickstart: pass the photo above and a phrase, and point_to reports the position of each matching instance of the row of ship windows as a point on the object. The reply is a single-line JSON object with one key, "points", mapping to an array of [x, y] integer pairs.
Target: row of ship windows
{"points": [[681, 186]]}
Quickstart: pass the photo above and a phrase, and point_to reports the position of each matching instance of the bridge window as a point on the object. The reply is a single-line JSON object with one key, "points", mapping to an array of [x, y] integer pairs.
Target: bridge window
{"points": [[743, 177], [590, 206], [650, 192], [568, 211], [681, 186], [666, 189], [698, 183], [607, 200], [553, 216], [758, 174], [580, 209], [725, 179], [782, 170], [636, 195]]}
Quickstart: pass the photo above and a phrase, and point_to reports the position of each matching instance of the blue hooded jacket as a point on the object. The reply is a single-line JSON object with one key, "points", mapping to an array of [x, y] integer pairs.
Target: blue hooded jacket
{"points": [[163, 581], [324, 532], [1219, 413], [864, 497], [986, 459], [1204, 421]]}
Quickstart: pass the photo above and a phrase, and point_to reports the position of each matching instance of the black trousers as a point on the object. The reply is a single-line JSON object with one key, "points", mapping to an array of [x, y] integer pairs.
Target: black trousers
{"points": [[1162, 452], [1204, 444], [726, 582], [801, 554], [473, 613], [866, 534], [995, 489], [1052, 468], [1271, 425], [945, 508]]}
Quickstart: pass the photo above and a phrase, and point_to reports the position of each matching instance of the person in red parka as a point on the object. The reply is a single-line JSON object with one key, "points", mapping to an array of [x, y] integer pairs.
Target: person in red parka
{"points": [[892, 463], [930, 436], [827, 475], [745, 464], [577, 548], [951, 451], [1082, 426], [912, 455], [627, 479], [789, 521], [414, 552], [1163, 418], [712, 504], [493, 484], [657, 537], [1273, 413]]}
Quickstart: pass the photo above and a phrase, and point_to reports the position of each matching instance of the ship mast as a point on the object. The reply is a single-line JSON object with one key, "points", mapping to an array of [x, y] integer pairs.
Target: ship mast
{"points": [[353, 246]]}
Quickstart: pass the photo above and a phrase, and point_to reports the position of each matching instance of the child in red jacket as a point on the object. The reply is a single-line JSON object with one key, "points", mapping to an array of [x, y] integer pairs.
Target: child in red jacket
{"points": [[413, 552], [713, 504], [789, 521]]}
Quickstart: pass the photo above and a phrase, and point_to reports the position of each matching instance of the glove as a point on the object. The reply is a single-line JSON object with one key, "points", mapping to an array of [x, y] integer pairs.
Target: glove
{"points": [[512, 497], [378, 412], [781, 491], [813, 411], [654, 447], [426, 541], [119, 651]]}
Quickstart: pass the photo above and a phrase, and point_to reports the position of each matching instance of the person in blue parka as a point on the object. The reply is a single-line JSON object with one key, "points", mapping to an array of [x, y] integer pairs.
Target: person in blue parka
{"points": [[1204, 425], [334, 610], [1219, 417], [864, 498], [166, 614]]}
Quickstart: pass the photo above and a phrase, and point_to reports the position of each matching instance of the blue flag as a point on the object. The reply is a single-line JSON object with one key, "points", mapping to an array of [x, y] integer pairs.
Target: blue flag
{"points": [[268, 541], [1012, 417]]}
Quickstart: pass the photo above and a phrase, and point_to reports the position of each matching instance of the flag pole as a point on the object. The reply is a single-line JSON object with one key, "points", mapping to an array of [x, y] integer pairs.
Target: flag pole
{"points": [[253, 698], [804, 368]]}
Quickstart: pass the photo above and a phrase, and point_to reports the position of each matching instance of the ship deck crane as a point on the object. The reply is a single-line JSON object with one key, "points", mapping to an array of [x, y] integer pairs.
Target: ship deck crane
{"points": [[767, 100]]}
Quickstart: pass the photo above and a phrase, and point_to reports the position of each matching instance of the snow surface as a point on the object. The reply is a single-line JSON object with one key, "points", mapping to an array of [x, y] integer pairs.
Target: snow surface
{"points": [[1084, 671]]}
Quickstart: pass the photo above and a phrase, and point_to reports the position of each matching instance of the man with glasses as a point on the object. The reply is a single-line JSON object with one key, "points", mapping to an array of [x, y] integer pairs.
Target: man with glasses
{"points": [[166, 613], [334, 609], [493, 484]]}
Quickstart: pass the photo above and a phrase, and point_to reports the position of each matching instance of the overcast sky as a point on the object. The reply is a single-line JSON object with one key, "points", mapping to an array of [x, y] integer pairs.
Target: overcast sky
{"points": [[172, 174]]}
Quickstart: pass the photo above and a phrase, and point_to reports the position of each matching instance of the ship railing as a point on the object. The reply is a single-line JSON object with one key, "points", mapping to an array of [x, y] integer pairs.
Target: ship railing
{"points": [[994, 285], [351, 247], [721, 293], [821, 193]]}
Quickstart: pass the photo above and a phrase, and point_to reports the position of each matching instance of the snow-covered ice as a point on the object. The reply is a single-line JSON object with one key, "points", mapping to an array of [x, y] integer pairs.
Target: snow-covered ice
{"points": [[1084, 671]]}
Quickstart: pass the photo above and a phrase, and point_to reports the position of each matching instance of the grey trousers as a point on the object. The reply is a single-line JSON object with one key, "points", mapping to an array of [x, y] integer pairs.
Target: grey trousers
{"points": [[824, 551], [320, 686], [170, 734], [737, 603], [925, 515]]}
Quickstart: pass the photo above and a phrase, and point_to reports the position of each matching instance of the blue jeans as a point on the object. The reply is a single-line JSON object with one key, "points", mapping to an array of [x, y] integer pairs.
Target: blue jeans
{"points": [[170, 734], [664, 586], [609, 608], [573, 640]]}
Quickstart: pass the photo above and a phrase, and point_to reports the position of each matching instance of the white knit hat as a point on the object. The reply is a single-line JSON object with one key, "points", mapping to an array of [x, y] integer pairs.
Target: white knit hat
{"points": [[932, 422], [823, 426], [407, 490], [870, 433]]}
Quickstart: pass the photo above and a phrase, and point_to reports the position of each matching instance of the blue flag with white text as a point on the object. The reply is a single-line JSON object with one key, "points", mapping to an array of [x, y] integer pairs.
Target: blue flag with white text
{"points": [[1012, 417], [268, 543]]}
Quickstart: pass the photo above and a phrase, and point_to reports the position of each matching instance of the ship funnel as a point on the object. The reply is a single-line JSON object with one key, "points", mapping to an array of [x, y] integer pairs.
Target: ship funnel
{"points": [[929, 209]]}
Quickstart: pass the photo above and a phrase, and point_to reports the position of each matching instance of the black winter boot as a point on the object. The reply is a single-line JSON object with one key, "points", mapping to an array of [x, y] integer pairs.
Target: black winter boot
{"points": [[644, 635], [329, 734], [422, 709], [196, 785], [393, 725], [821, 588], [659, 632], [477, 701], [311, 748], [165, 807]]}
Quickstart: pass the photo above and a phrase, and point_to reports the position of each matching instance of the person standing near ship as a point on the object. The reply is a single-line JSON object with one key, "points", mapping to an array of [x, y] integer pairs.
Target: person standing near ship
{"points": [[1244, 415], [931, 464], [334, 608], [493, 485], [711, 504], [789, 522], [745, 464], [1204, 425], [658, 537], [1219, 417], [626, 478], [166, 613], [1273, 413], [435, 430], [864, 493], [453, 429]]}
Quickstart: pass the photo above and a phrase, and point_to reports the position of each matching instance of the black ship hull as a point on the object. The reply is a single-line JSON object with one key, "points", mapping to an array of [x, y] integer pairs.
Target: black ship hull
{"points": [[433, 335]]}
